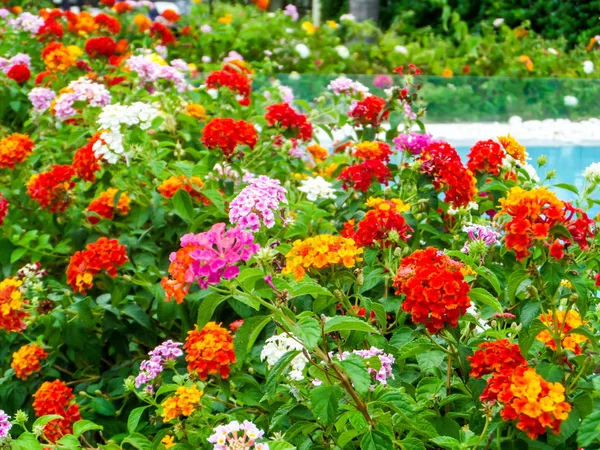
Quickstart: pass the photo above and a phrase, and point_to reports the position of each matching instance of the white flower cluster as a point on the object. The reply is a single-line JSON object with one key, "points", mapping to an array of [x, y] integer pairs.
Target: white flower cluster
{"points": [[277, 346], [316, 188], [110, 145], [592, 173], [509, 163], [471, 206]]}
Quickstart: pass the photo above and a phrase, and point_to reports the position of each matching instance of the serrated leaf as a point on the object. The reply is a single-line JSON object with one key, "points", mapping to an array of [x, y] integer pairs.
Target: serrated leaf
{"points": [[356, 369], [527, 336], [216, 198], [515, 280], [348, 323], [308, 331], [138, 441], [83, 426], [184, 207], [134, 418], [446, 442], [482, 297], [589, 430], [324, 402], [375, 440], [308, 288]]}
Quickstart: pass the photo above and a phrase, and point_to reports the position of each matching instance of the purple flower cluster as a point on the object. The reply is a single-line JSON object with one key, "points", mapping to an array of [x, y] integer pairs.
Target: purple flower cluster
{"points": [[413, 142], [82, 89], [292, 12], [27, 22], [481, 233], [5, 425], [383, 81], [257, 202], [233, 56], [151, 368], [387, 361], [19, 58], [346, 86], [217, 253], [4, 13], [41, 98], [150, 72]]}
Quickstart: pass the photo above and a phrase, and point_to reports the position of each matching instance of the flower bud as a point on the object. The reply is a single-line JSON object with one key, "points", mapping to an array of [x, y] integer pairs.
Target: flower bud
{"points": [[542, 160], [21, 417], [129, 384]]}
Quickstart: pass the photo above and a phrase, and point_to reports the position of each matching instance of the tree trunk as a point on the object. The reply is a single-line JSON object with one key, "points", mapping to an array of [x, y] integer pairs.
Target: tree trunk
{"points": [[365, 9]]}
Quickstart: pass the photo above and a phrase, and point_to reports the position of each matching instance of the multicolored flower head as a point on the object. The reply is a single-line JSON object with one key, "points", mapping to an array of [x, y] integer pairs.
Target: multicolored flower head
{"points": [[51, 189], [5, 425], [14, 149], [12, 303], [105, 206], [435, 289], [183, 403], [566, 322], [209, 351], [26, 360], [237, 436], [56, 398]]}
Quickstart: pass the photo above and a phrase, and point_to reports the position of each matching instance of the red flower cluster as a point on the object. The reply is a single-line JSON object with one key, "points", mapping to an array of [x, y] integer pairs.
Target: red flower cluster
{"points": [[370, 111], [109, 23], [85, 164], [104, 254], [105, 205], [579, 225], [284, 116], [435, 289], [441, 161], [20, 73], [51, 28], [499, 358], [56, 398], [51, 189], [486, 157], [233, 79], [227, 134], [161, 31], [360, 176], [378, 223], [170, 15], [3, 209], [100, 45]]}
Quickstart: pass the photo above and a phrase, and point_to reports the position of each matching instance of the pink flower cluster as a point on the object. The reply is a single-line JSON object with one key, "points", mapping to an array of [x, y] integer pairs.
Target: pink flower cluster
{"points": [[346, 86], [41, 98], [82, 89], [412, 142], [236, 436], [27, 22], [386, 360], [20, 58], [150, 72], [151, 368], [217, 253], [3, 209], [257, 202]]}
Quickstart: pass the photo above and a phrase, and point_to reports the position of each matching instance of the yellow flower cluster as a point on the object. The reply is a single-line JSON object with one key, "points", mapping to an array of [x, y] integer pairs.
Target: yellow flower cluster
{"points": [[571, 341], [196, 111], [513, 148], [386, 205], [321, 251], [16, 298], [309, 27], [226, 19], [183, 403], [59, 58]]}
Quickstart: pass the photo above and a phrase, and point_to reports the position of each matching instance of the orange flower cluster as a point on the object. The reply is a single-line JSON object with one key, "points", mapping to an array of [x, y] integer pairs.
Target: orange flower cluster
{"points": [[59, 58], [372, 150], [441, 161], [171, 185], [227, 134], [105, 206], [108, 23], [486, 157], [183, 403], [51, 189], [534, 403], [533, 214], [319, 153], [26, 360], [178, 284], [564, 324], [143, 22], [435, 289], [319, 252], [526, 396], [513, 148], [85, 164], [104, 254], [196, 111], [14, 149], [385, 217], [56, 398], [12, 313], [82, 23], [209, 351]]}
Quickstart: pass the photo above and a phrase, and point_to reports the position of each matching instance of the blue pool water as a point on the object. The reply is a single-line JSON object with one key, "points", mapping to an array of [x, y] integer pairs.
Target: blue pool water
{"points": [[569, 161]]}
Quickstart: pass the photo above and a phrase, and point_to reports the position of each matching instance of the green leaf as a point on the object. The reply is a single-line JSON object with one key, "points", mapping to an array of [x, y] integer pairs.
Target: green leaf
{"points": [[17, 254], [412, 444], [483, 297], [138, 440], [134, 418], [246, 336], [308, 331], [568, 187], [375, 440], [307, 287], [26, 441], [136, 313], [552, 273], [103, 406], [490, 277], [446, 442], [247, 299], [82, 426], [207, 308], [527, 336], [515, 280], [69, 442], [216, 198], [348, 323], [184, 206], [324, 401], [42, 421], [277, 371], [589, 430], [356, 369]]}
